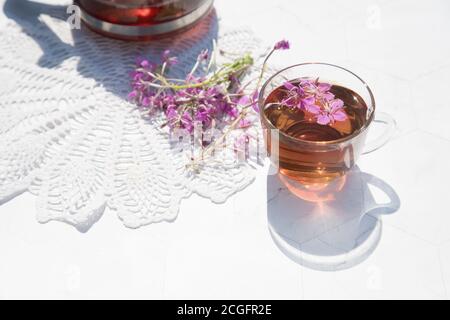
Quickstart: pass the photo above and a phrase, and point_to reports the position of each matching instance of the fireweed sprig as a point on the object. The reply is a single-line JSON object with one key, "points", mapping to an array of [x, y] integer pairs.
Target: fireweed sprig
{"points": [[211, 95]]}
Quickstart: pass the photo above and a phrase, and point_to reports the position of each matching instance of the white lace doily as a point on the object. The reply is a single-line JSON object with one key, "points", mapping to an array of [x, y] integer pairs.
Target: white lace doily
{"points": [[69, 136]]}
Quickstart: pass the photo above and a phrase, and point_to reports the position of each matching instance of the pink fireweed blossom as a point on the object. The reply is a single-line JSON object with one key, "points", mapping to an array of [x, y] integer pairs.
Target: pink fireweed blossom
{"points": [[247, 101], [245, 123], [282, 45], [203, 56], [296, 97], [167, 58], [320, 90], [334, 111], [242, 141], [145, 64], [187, 122]]}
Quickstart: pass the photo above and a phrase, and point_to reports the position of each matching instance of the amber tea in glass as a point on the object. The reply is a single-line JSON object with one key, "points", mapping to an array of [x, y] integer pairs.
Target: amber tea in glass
{"points": [[305, 150]]}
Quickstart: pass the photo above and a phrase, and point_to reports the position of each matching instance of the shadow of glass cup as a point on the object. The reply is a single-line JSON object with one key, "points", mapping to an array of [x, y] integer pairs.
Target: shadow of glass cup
{"points": [[328, 227]]}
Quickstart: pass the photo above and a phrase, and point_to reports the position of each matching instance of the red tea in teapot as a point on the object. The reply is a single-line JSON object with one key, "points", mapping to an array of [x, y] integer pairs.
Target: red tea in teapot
{"points": [[142, 19]]}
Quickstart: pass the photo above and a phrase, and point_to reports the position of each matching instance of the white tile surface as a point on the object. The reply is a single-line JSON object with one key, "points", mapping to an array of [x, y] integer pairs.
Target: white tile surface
{"points": [[444, 255], [430, 106], [415, 166], [229, 265], [404, 38], [393, 95], [400, 48], [56, 261], [402, 267], [221, 252]]}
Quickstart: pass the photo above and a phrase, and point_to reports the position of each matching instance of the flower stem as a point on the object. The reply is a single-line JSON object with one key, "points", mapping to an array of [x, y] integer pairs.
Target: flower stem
{"points": [[223, 75], [230, 129], [264, 67]]}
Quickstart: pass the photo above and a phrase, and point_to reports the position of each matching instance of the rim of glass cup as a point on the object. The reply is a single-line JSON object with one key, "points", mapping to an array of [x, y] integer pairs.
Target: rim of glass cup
{"points": [[261, 105]]}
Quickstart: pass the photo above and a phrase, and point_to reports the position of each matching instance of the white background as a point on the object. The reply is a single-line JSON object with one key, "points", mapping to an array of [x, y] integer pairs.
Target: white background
{"points": [[401, 49]]}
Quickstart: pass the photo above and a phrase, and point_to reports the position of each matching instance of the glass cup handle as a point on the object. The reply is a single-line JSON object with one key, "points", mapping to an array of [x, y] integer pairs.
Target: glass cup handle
{"points": [[390, 124]]}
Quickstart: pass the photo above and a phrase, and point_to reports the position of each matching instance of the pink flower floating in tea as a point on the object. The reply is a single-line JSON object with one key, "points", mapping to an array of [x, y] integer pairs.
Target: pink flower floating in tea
{"points": [[316, 98], [332, 113], [209, 96]]}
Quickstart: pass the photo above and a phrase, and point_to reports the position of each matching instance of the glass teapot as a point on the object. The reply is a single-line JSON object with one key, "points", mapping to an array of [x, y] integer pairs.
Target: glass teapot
{"points": [[142, 19]]}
